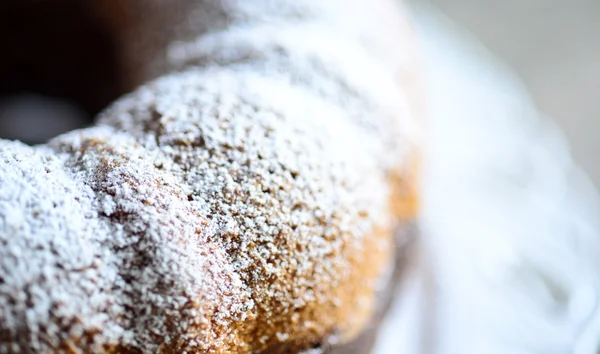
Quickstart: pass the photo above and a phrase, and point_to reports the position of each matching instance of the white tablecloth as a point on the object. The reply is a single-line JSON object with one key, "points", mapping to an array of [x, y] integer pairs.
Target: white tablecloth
{"points": [[510, 258]]}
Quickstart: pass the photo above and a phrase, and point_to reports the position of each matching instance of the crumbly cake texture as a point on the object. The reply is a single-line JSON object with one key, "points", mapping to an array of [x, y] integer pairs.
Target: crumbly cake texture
{"points": [[245, 201]]}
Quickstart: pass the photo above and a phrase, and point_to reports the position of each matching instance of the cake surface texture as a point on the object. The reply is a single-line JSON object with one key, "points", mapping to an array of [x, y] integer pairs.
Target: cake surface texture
{"points": [[244, 197]]}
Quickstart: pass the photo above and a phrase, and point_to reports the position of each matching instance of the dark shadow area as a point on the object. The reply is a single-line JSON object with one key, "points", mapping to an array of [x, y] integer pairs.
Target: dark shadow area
{"points": [[58, 67]]}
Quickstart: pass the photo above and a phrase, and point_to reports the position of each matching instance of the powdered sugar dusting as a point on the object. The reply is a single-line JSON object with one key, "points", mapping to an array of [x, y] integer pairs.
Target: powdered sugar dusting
{"points": [[282, 182], [53, 267], [244, 198]]}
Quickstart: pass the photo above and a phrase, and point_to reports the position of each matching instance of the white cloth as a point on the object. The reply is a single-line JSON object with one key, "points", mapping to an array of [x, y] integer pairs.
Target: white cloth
{"points": [[510, 226]]}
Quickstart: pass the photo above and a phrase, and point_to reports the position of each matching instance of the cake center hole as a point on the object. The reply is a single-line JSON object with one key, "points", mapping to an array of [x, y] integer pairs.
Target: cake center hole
{"points": [[58, 68]]}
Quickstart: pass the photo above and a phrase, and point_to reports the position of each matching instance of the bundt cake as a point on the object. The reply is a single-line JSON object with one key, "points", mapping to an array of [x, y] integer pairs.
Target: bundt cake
{"points": [[245, 197]]}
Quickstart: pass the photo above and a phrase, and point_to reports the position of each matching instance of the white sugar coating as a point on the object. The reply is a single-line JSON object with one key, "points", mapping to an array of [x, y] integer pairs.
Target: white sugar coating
{"points": [[160, 241], [226, 207], [319, 60], [52, 264]]}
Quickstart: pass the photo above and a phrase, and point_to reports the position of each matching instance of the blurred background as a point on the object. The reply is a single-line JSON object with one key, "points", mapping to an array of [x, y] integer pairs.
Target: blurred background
{"points": [[554, 46]]}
